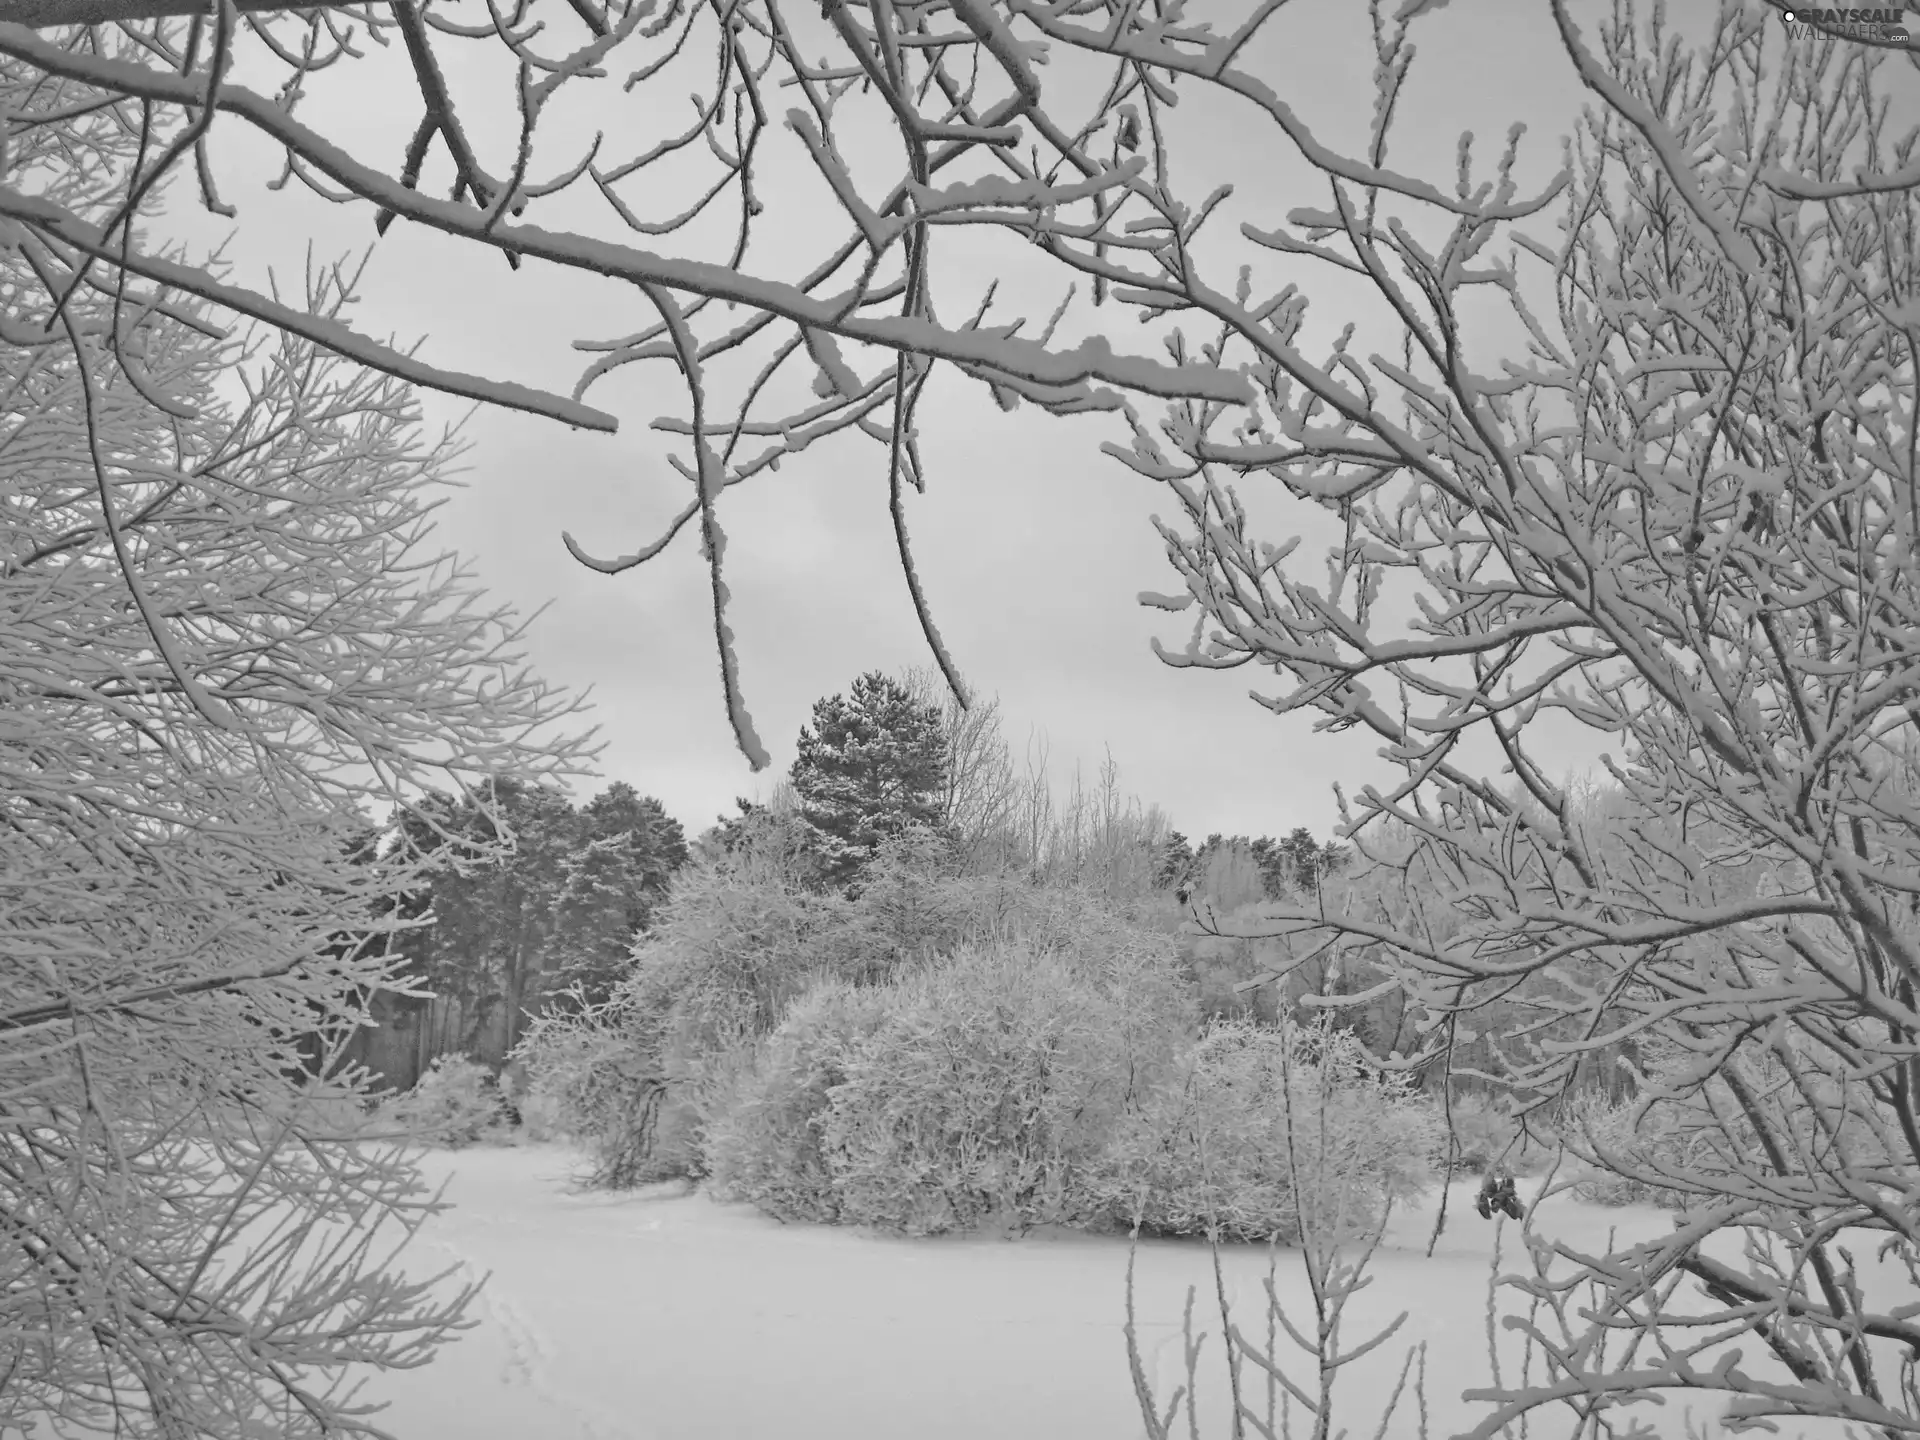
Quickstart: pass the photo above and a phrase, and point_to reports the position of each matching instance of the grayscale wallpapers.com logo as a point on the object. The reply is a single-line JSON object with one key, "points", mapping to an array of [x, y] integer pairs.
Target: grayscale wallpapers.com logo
{"points": [[1885, 23]]}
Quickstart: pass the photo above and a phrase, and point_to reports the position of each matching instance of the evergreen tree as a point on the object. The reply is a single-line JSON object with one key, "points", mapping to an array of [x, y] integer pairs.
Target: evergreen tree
{"points": [[625, 853], [561, 908], [1272, 862], [1285, 869], [870, 765], [1309, 860], [494, 922], [1175, 866], [730, 832]]}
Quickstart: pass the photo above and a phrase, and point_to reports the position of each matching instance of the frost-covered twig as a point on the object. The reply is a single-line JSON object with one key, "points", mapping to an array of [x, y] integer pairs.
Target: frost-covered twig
{"points": [[219, 640]]}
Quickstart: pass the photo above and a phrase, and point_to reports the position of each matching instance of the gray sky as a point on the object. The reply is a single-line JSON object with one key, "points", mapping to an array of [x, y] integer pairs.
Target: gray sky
{"points": [[1032, 545]]}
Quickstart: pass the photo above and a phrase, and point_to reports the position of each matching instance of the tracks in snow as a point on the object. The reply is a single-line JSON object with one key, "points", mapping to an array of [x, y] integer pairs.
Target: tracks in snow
{"points": [[529, 1354]]}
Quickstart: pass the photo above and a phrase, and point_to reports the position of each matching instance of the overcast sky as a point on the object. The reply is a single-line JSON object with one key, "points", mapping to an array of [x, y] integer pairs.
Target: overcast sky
{"points": [[1032, 545]]}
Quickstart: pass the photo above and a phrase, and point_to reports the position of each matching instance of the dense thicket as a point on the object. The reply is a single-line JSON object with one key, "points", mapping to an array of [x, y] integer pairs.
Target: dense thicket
{"points": [[950, 1051]]}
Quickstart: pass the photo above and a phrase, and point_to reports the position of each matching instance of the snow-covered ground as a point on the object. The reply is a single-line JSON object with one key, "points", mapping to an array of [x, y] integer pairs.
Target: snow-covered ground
{"points": [[662, 1315]]}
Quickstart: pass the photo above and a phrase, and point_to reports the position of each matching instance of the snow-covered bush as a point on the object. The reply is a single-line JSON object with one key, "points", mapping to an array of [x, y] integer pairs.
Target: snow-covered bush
{"points": [[634, 1079], [765, 1147], [455, 1104], [911, 908], [535, 1111], [990, 1091], [588, 1082], [978, 1086], [643, 1079], [1271, 1130]]}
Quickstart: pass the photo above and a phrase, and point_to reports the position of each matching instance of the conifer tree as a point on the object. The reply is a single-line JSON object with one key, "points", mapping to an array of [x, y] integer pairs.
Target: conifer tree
{"points": [[870, 766]]}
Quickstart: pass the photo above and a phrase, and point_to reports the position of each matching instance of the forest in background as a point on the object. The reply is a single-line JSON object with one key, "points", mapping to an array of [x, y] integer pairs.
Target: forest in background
{"points": [[553, 920]]}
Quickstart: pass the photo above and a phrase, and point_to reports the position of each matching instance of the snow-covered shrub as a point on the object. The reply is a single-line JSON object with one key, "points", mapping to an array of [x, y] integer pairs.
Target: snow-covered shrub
{"points": [[700, 1089], [764, 1147], [1265, 1122], [904, 1104], [535, 1100], [1483, 1135], [456, 1103], [588, 1082], [635, 1079], [980, 1082], [736, 943], [992, 1087], [911, 908], [643, 1079], [575, 1078]]}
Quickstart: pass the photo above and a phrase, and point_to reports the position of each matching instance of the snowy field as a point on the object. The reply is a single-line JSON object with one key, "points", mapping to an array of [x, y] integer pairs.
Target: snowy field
{"points": [[662, 1315]]}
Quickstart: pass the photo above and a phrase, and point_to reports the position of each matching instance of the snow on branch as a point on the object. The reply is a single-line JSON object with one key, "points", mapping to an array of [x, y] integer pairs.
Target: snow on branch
{"points": [[1678, 515], [336, 336]]}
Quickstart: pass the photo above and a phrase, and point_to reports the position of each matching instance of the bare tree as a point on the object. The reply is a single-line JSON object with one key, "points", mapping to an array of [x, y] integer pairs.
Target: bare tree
{"points": [[220, 638], [1684, 520], [979, 788], [771, 361]]}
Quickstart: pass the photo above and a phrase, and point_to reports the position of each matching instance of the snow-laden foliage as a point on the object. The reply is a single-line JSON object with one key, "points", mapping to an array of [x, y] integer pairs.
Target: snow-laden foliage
{"points": [[1274, 1132], [772, 834], [643, 1077], [222, 635], [979, 1091], [944, 1054], [991, 1088], [740, 935], [1006, 1085], [1039, 129], [456, 1103], [765, 1145], [1685, 522], [587, 1081], [1680, 513]]}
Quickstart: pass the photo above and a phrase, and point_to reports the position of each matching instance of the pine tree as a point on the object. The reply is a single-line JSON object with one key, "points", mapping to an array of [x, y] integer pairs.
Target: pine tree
{"points": [[1310, 861], [730, 832], [1175, 865], [870, 765], [622, 862], [493, 922], [561, 908]]}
